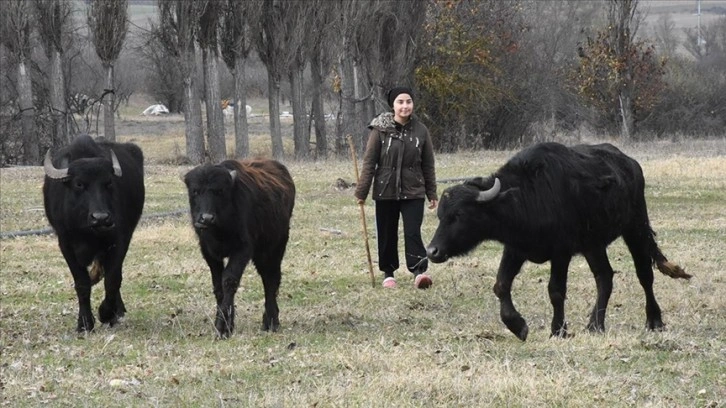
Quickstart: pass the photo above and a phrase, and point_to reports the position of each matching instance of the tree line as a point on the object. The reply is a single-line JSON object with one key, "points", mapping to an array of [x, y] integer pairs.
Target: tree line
{"points": [[487, 73]]}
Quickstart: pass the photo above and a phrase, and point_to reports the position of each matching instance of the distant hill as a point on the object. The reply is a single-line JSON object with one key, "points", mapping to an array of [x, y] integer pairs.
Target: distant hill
{"points": [[684, 13]]}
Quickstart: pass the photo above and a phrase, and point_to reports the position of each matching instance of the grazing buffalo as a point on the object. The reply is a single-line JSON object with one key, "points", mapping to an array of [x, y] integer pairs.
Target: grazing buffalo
{"points": [[241, 211], [93, 196], [548, 203]]}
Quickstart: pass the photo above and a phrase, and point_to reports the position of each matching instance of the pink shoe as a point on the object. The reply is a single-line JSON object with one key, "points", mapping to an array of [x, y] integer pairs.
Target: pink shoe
{"points": [[422, 281], [389, 283]]}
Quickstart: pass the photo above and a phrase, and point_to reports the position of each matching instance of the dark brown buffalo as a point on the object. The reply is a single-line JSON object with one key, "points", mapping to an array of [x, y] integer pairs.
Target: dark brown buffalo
{"points": [[241, 212]]}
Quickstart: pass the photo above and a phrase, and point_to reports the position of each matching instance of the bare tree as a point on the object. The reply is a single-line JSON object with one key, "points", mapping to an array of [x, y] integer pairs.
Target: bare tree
{"points": [[236, 41], [326, 44], [108, 24], [379, 45], [392, 38], [277, 44], [665, 36], [15, 35], [298, 26], [53, 17], [552, 35], [352, 17], [623, 23], [707, 42], [209, 44], [177, 32]]}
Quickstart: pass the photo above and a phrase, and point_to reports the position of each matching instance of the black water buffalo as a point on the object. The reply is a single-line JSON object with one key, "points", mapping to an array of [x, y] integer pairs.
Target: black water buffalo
{"points": [[93, 196], [548, 203], [241, 211]]}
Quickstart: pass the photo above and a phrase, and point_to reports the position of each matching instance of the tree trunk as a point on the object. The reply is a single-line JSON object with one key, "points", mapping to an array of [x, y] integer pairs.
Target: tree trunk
{"points": [[193, 132], [59, 108], [241, 130], [31, 150], [299, 115], [273, 90], [109, 131], [215, 121], [364, 110], [347, 94], [626, 112], [318, 110]]}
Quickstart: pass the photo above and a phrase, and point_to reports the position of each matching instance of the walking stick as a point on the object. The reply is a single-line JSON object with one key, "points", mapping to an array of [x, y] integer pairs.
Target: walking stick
{"points": [[362, 211]]}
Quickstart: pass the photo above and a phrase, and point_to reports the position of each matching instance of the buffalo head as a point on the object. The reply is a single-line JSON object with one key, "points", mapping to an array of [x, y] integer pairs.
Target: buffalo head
{"points": [[464, 219], [90, 189], [210, 190]]}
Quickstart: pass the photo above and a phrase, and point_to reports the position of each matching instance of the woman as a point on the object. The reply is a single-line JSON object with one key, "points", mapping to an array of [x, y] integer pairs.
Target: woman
{"points": [[399, 162]]}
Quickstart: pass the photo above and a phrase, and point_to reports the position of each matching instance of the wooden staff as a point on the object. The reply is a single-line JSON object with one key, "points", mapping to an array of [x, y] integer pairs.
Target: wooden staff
{"points": [[362, 211]]}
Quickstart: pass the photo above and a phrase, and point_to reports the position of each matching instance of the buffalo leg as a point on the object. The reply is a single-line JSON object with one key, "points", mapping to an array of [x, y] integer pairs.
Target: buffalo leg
{"points": [[271, 274], [224, 318], [82, 284], [216, 267], [112, 307], [603, 272], [638, 246], [231, 277], [509, 267], [271, 281], [557, 290]]}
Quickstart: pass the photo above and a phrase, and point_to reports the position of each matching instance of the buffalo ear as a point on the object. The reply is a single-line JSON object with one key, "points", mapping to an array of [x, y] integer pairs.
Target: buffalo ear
{"points": [[184, 177]]}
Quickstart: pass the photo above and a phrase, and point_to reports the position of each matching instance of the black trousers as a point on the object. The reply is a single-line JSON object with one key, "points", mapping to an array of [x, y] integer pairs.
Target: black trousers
{"points": [[387, 217]]}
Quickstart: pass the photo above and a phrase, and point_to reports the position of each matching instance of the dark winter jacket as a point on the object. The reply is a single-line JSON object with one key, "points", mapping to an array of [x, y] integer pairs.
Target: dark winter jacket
{"points": [[399, 161]]}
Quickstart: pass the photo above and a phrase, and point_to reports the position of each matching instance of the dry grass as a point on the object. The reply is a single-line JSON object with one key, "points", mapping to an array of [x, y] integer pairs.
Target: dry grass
{"points": [[343, 343]]}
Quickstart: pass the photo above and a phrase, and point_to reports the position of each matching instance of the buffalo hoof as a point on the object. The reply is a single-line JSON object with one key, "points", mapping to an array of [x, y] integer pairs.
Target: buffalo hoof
{"points": [[596, 327], [120, 307], [224, 322], [518, 326], [85, 323], [224, 329], [108, 314], [270, 324], [522, 335], [561, 332], [655, 325]]}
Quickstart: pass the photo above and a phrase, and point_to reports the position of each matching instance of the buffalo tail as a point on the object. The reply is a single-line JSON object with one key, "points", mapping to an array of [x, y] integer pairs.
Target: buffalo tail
{"points": [[661, 262], [672, 270]]}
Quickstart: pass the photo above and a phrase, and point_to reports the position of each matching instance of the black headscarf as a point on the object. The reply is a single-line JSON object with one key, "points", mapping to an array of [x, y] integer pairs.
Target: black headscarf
{"points": [[394, 92]]}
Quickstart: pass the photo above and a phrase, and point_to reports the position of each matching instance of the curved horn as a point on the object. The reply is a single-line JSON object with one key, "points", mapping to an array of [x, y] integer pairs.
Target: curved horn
{"points": [[116, 166], [51, 171], [491, 193], [233, 174]]}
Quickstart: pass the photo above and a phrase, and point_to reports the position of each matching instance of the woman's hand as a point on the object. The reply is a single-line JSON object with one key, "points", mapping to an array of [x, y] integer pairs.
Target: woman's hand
{"points": [[433, 203]]}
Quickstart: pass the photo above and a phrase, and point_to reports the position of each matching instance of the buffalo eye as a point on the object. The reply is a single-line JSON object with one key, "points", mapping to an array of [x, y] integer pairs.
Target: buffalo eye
{"points": [[78, 185], [109, 185], [217, 192], [454, 217]]}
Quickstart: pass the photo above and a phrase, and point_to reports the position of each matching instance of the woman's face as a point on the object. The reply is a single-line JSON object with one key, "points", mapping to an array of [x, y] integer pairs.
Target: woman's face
{"points": [[403, 106]]}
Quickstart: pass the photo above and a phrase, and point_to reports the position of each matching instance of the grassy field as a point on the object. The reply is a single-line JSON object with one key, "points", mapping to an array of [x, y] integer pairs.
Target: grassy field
{"points": [[343, 343]]}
